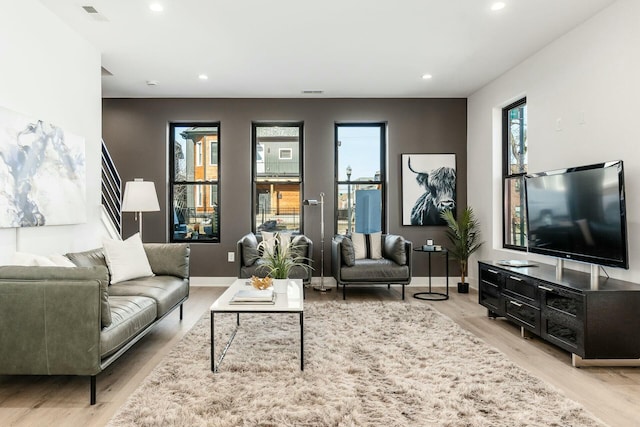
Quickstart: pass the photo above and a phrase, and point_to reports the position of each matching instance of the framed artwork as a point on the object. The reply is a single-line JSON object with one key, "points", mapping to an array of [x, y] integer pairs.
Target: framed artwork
{"points": [[42, 173], [428, 188]]}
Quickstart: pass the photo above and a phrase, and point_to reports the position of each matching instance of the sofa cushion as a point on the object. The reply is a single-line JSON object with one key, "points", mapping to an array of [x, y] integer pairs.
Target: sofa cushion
{"points": [[394, 249], [300, 246], [130, 315], [126, 259], [168, 258], [347, 252], [367, 245], [369, 270], [249, 249], [167, 291], [91, 258]]}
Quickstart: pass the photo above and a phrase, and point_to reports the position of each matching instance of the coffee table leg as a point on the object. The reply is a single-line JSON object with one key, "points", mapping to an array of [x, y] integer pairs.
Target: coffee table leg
{"points": [[213, 357], [301, 341]]}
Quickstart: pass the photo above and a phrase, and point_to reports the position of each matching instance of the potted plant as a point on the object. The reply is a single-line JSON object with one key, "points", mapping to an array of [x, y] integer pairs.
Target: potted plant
{"points": [[465, 237], [280, 259]]}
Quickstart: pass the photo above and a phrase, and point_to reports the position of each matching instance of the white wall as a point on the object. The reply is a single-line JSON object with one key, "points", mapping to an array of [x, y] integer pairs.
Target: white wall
{"points": [[591, 72], [50, 73]]}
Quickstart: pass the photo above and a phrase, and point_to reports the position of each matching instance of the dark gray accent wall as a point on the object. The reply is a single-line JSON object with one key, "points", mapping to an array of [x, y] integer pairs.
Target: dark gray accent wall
{"points": [[136, 133]]}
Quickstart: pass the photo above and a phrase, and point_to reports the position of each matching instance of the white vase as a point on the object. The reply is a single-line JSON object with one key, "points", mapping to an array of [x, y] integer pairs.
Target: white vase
{"points": [[280, 286]]}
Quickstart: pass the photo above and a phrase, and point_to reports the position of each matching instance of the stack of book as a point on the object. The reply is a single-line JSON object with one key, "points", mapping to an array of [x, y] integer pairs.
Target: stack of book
{"points": [[254, 296]]}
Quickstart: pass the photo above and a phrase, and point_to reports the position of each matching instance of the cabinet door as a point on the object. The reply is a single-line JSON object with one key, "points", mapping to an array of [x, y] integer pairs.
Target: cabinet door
{"points": [[562, 314], [489, 289]]}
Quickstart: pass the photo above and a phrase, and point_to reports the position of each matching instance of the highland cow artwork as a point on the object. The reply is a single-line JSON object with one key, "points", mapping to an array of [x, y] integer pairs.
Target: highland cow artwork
{"points": [[428, 188], [42, 173]]}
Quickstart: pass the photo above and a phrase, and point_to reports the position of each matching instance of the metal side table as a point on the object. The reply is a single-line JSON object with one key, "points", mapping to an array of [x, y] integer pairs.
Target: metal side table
{"points": [[430, 295]]}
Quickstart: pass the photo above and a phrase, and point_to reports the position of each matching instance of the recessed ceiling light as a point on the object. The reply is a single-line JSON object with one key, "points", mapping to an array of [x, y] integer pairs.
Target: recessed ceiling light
{"points": [[498, 6], [426, 76], [152, 82], [156, 7], [203, 77]]}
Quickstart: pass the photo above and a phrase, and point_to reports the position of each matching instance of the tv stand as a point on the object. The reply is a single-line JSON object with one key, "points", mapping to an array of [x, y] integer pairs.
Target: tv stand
{"points": [[599, 325]]}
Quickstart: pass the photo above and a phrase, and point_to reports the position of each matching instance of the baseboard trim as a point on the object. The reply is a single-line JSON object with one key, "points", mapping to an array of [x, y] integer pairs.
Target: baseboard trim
{"points": [[437, 282]]}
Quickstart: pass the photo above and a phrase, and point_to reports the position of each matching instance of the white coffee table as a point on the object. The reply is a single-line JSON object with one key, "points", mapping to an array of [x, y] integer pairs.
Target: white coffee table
{"points": [[290, 302]]}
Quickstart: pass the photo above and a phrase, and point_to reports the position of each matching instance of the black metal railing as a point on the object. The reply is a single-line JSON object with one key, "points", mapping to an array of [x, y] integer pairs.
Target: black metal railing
{"points": [[111, 189]]}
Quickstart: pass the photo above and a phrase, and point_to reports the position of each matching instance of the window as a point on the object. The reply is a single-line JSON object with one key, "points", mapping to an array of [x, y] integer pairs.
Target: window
{"points": [[285, 154], [360, 177], [213, 153], [277, 176], [514, 137], [199, 153], [193, 186]]}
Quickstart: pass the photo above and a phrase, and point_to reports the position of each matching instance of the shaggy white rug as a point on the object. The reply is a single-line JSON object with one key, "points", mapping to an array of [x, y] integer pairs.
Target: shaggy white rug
{"points": [[366, 364]]}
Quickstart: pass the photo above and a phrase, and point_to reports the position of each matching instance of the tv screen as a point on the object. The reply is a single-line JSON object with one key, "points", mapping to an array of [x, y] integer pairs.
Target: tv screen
{"points": [[579, 214]]}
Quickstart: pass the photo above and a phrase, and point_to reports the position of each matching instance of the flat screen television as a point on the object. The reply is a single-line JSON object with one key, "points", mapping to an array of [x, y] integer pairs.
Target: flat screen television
{"points": [[579, 214]]}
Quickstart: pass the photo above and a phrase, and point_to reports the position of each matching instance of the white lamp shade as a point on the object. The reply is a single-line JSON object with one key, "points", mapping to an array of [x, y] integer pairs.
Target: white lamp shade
{"points": [[140, 196]]}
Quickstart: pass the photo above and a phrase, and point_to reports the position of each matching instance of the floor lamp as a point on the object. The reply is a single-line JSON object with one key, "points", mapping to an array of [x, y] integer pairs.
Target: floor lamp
{"points": [[140, 196], [313, 202]]}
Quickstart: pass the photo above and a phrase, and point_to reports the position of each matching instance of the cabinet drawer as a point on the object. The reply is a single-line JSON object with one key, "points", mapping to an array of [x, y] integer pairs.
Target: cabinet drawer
{"points": [[489, 296], [522, 313], [523, 287], [490, 275]]}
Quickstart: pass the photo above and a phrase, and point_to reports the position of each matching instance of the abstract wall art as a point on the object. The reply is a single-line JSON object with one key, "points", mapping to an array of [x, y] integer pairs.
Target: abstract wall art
{"points": [[428, 188], [42, 173]]}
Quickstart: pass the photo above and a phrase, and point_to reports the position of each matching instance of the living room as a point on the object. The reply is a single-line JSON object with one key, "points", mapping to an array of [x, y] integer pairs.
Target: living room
{"points": [[579, 88]]}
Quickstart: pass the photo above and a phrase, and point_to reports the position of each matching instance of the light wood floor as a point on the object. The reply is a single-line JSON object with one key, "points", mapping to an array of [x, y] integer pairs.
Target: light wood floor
{"points": [[612, 394]]}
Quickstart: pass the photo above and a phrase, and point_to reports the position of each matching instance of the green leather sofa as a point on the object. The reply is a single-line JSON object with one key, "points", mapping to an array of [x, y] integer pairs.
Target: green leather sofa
{"points": [[70, 321]]}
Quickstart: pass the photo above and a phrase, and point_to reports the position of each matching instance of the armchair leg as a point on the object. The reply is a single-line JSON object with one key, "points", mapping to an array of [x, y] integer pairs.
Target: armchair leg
{"points": [[180, 311], [93, 390], [344, 291], [403, 292], [388, 285]]}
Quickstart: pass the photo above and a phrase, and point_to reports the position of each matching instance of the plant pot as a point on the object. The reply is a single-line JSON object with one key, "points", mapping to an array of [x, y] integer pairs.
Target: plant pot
{"points": [[463, 288], [280, 286]]}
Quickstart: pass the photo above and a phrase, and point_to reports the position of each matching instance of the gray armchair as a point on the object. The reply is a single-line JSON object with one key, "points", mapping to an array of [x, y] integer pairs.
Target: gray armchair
{"points": [[250, 264], [393, 268]]}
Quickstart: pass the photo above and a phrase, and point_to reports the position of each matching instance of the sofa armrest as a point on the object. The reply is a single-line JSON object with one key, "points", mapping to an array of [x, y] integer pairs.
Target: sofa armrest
{"points": [[408, 247], [50, 320], [168, 259]]}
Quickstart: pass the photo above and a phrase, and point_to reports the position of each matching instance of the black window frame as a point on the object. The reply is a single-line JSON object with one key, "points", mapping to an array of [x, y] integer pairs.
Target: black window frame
{"points": [[516, 177], [172, 181], [254, 170], [383, 171]]}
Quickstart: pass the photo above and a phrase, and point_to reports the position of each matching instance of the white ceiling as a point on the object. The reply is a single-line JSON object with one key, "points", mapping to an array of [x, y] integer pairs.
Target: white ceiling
{"points": [[346, 48]]}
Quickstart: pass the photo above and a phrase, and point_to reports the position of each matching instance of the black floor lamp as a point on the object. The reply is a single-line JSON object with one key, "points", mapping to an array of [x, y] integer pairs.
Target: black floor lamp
{"points": [[314, 202]]}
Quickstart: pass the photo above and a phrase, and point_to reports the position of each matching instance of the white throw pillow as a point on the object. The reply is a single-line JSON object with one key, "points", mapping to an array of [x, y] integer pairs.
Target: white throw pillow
{"points": [[61, 260], [367, 245], [284, 241], [269, 244], [126, 259], [31, 260]]}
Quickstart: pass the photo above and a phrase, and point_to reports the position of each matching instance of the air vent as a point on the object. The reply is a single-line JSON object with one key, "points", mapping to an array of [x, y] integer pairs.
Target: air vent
{"points": [[312, 92], [94, 14]]}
